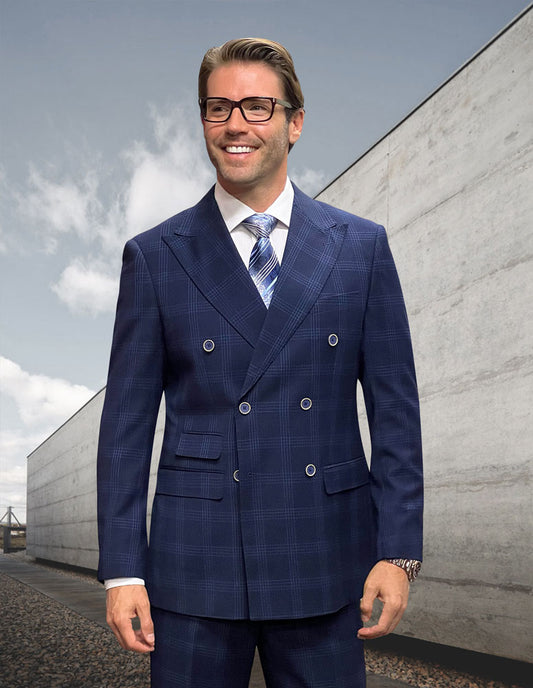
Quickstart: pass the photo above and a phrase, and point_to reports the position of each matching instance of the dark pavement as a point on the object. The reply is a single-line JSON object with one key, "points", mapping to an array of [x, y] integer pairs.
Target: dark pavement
{"points": [[88, 600]]}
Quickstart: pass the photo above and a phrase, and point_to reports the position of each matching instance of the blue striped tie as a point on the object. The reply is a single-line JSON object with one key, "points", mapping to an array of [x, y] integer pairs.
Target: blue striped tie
{"points": [[264, 265]]}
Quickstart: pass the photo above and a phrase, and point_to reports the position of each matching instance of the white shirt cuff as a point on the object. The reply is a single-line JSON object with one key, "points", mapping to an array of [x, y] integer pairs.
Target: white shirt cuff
{"points": [[116, 582]]}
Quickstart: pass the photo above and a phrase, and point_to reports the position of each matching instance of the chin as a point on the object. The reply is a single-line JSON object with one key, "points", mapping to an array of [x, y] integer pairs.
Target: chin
{"points": [[234, 177]]}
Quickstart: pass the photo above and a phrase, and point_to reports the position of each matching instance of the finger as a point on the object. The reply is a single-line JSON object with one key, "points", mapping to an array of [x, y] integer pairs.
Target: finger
{"points": [[388, 620], [134, 640], [146, 631], [111, 619], [370, 632], [117, 635], [143, 643], [122, 626], [366, 603], [128, 605], [125, 634]]}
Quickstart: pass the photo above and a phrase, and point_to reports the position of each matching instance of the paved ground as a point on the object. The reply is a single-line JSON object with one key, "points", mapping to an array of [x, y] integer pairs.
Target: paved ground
{"points": [[88, 600]]}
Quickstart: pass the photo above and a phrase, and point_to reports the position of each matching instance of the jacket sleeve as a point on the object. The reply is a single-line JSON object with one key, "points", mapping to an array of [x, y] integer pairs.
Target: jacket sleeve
{"points": [[388, 380], [133, 395]]}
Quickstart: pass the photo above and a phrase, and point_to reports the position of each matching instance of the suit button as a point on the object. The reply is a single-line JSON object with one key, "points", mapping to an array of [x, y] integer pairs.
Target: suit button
{"points": [[236, 475], [310, 470], [208, 345], [306, 403], [245, 408], [333, 340]]}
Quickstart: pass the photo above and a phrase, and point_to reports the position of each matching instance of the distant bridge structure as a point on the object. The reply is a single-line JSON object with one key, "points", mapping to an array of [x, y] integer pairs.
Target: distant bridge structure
{"points": [[9, 530]]}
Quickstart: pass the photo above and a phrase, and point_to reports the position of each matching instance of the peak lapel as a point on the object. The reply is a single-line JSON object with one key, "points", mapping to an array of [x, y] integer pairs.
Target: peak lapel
{"points": [[312, 248], [202, 245]]}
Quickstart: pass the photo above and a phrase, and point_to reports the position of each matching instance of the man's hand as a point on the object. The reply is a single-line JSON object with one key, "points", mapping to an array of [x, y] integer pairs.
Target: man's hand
{"points": [[123, 604], [388, 583]]}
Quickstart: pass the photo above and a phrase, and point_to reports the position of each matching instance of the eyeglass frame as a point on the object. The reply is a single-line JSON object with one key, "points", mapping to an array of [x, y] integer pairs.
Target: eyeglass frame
{"points": [[238, 104]]}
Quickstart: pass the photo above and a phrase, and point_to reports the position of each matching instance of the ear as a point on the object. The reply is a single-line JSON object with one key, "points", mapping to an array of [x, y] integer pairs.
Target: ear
{"points": [[295, 126]]}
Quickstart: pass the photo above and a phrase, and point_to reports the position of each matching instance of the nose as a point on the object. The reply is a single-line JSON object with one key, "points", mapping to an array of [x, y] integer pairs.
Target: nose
{"points": [[236, 121]]}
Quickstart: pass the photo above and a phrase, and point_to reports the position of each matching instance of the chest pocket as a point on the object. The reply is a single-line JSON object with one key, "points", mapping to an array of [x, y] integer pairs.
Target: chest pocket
{"points": [[337, 312]]}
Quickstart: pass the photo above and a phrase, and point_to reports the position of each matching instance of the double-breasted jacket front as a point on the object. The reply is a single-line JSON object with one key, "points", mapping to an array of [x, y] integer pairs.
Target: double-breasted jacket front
{"points": [[265, 506]]}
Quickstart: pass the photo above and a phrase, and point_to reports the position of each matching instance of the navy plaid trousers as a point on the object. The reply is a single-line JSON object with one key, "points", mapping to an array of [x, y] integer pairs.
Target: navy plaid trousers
{"points": [[319, 652]]}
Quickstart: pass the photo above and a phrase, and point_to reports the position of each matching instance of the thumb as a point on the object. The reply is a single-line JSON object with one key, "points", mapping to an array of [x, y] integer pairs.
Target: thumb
{"points": [[147, 628], [146, 631]]}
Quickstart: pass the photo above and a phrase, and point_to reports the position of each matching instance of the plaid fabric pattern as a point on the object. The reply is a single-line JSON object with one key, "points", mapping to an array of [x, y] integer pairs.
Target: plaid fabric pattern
{"points": [[318, 652], [297, 533]]}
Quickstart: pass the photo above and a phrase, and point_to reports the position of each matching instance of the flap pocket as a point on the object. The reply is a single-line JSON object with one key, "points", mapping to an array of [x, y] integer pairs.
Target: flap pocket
{"points": [[199, 484], [199, 446], [346, 475]]}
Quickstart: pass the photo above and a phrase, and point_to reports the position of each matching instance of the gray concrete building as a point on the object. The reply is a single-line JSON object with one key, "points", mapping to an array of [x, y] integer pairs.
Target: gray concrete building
{"points": [[453, 185]]}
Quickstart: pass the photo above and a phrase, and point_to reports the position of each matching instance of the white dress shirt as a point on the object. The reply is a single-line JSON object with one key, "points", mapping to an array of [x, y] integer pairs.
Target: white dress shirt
{"points": [[233, 213]]}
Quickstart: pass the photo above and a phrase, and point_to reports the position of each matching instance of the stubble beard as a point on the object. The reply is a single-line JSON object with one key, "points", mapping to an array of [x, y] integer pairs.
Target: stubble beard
{"points": [[270, 157]]}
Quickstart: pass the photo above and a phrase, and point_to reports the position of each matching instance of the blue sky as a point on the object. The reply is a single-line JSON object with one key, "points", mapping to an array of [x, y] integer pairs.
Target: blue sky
{"points": [[101, 139]]}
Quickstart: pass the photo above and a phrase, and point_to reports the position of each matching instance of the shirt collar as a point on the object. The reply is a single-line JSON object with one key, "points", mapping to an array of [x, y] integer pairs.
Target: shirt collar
{"points": [[234, 211]]}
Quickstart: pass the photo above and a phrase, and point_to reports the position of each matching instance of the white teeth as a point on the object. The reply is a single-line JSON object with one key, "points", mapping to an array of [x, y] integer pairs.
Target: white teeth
{"points": [[239, 149]]}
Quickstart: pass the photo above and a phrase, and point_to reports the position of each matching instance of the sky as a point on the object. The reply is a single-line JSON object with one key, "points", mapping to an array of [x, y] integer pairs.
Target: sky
{"points": [[100, 138]]}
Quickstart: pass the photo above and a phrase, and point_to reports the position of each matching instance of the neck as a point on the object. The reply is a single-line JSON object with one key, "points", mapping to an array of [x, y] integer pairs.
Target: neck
{"points": [[255, 197]]}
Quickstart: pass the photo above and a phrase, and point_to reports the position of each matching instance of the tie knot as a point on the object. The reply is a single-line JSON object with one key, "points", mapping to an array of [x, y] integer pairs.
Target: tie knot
{"points": [[260, 224]]}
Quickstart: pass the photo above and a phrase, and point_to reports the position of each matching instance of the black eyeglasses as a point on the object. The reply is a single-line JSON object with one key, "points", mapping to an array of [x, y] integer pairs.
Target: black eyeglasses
{"points": [[253, 109]]}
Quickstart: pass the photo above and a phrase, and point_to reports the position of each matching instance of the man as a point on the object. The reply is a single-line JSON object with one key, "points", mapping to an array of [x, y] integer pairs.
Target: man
{"points": [[255, 312]]}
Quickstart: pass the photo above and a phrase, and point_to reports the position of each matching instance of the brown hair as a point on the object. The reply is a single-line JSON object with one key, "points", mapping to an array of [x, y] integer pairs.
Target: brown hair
{"points": [[262, 50]]}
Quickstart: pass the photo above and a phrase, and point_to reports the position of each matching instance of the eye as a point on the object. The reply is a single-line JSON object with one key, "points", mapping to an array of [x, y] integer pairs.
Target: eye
{"points": [[258, 106], [217, 107]]}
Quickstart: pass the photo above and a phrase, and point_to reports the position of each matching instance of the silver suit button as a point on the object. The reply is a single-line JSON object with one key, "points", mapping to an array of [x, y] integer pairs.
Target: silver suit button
{"points": [[245, 408], [236, 475], [333, 340], [208, 345], [306, 403], [310, 470]]}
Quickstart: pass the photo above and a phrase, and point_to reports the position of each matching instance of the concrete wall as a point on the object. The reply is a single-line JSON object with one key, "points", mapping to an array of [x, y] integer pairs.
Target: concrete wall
{"points": [[453, 184], [62, 489]]}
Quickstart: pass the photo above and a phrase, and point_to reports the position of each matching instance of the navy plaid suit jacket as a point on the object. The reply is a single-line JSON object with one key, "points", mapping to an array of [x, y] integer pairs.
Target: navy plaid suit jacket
{"points": [[298, 533]]}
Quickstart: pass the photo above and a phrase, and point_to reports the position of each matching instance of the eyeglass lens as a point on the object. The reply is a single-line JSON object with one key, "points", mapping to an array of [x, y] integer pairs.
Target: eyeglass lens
{"points": [[254, 109]]}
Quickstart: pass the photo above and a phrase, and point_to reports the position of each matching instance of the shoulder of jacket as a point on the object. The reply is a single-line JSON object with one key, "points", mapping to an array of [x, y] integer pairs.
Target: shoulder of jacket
{"points": [[323, 214]]}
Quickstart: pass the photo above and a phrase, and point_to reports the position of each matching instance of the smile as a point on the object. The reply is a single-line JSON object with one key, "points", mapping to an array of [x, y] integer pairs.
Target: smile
{"points": [[239, 149]]}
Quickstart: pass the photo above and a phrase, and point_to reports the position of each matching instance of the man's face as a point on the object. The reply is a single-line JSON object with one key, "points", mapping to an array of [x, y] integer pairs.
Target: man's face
{"points": [[250, 158]]}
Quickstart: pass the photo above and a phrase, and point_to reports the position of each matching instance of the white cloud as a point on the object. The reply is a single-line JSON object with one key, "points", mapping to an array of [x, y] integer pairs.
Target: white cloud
{"points": [[14, 448], [12, 480], [168, 180], [86, 289], [57, 208], [309, 181], [159, 178], [42, 402]]}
